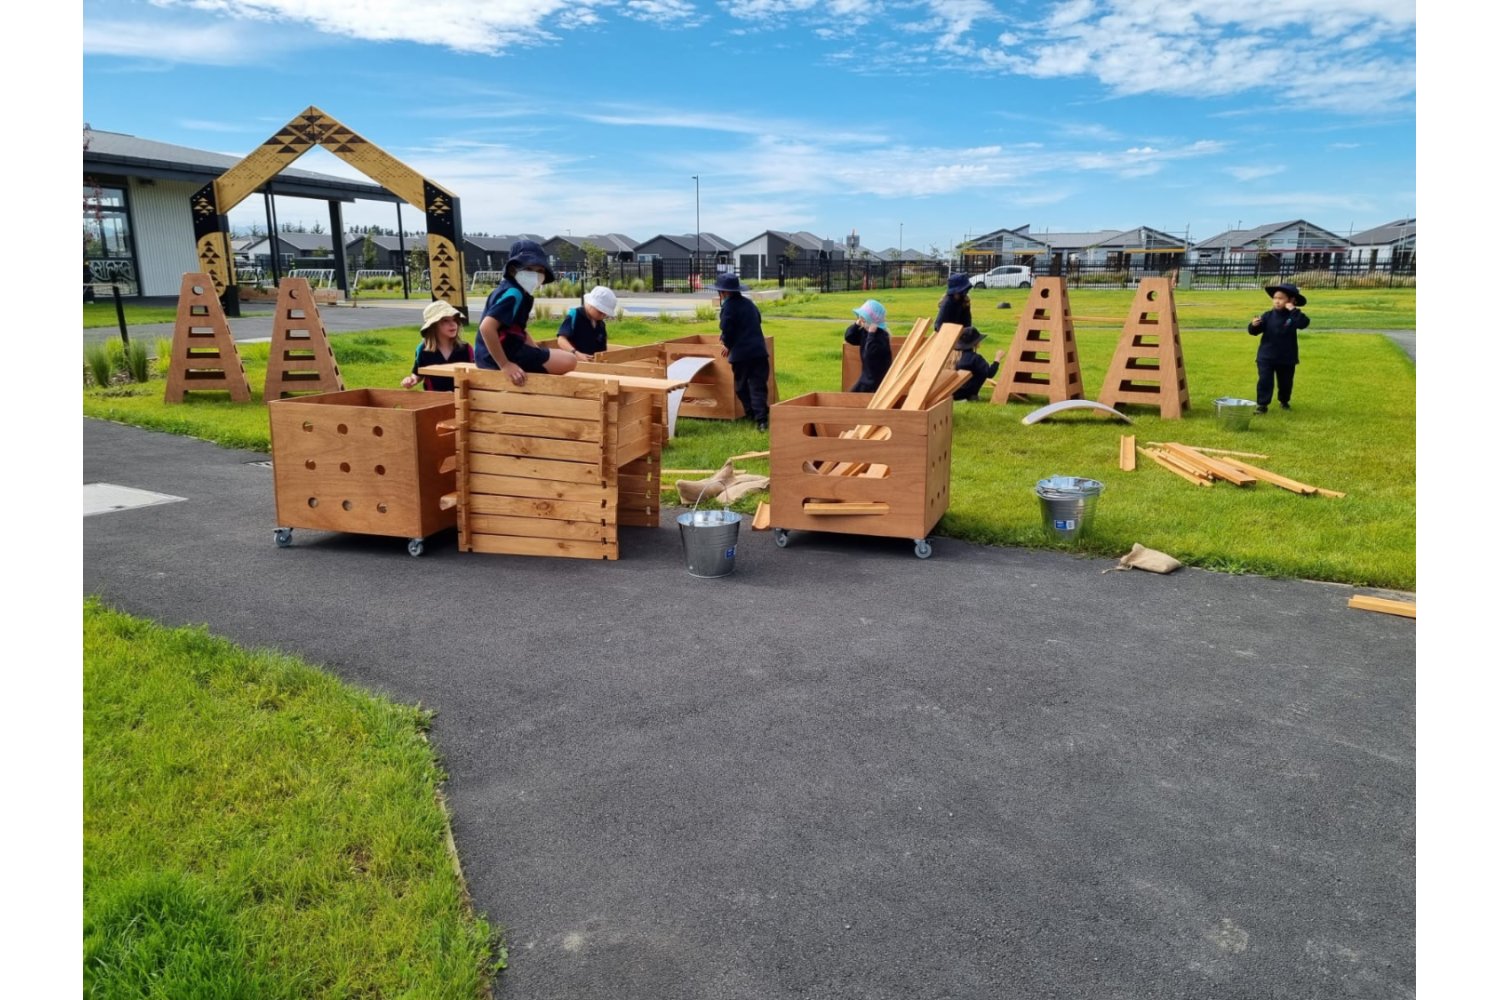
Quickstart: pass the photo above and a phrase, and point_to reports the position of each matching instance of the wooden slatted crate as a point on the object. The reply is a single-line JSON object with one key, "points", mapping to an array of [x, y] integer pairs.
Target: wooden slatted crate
{"points": [[554, 466], [906, 457], [710, 394], [363, 460]]}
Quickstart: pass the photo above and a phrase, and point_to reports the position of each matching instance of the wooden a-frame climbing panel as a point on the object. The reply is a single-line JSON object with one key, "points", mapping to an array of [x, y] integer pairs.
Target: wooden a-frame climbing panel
{"points": [[301, 357], [1043, 357], [203, 353], [1147, 369]]}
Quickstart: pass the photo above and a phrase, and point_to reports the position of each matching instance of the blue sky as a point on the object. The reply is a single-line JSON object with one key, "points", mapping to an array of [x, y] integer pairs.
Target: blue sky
{"points": [[927, 120]]}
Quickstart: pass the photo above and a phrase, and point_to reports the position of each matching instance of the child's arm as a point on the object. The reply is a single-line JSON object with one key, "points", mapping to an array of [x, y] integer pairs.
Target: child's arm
{"points": [[412, 379]]}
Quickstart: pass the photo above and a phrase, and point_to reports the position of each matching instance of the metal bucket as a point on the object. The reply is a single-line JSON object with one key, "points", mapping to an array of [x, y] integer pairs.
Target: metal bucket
{"points": [[1068, 505], [708, 541], [1234, 414]]}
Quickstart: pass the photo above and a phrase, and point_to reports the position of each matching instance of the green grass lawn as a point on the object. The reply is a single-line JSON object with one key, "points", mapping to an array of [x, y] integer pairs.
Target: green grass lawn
{"points": [[1353, 430], [102, 314], [254, 828]]}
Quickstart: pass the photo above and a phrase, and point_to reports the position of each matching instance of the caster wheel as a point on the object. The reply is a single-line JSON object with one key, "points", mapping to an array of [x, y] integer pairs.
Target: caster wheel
{"points": [[780, 535], [924, 549], [283, 537], [414, 546]]}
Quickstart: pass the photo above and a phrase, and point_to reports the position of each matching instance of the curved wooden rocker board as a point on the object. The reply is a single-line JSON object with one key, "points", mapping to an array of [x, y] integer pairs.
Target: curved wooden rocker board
{"points": [[1052, 409]]}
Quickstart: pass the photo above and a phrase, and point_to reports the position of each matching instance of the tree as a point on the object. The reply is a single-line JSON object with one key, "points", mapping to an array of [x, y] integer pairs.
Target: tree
{"points": [[368, 252], [595, 258], [790, 256]]}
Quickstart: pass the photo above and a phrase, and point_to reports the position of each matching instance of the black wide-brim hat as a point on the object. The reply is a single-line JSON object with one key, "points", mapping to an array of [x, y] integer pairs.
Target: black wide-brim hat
{"points": [[1291, 293], [968, 339], [728, 283], [526, 253], [958, 284]]}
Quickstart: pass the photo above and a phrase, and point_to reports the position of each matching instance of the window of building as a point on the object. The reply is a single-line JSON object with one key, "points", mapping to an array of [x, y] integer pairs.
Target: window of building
{"points": [[108, 250]]}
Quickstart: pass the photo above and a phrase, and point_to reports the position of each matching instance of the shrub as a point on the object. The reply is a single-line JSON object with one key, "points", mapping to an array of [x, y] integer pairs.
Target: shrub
{"points": [[637, 284], [98, 364], [138, 362], [163, 354]]}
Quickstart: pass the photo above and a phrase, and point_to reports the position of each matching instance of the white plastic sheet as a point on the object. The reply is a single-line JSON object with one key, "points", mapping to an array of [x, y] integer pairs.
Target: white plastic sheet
{"points": [[683, 369]]}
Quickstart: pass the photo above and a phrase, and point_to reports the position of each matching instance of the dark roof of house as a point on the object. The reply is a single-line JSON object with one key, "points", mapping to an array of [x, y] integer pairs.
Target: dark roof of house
{"points": [[711, 242], [608, 242], [501, 244], [417, 242], [118, 153], [302, 242], [1239, 239], [1391, 232]]}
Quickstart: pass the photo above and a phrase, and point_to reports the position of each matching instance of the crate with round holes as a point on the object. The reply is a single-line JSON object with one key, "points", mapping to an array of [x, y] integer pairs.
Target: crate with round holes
{"points": [[373, 461]]}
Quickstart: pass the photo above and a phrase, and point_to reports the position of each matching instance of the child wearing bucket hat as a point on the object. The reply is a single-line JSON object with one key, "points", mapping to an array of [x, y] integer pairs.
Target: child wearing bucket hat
{"points": [[1276, 358], [745, 347], [971, 361], [504, 343], [954, 306], [869, 334], [583, 329], [442, 343]]}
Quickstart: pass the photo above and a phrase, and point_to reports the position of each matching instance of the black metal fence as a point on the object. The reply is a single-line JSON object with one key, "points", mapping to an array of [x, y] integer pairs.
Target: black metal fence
{"points": [[1304, 270]]}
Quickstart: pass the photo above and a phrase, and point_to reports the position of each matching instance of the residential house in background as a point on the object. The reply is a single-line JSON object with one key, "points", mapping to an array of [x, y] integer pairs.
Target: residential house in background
{"points": [[489, 253], [387, 251], [714, 252], [569, 253], [775, 253], [1140, 249], [1306, 246], [1393, 243], [290, 247]]}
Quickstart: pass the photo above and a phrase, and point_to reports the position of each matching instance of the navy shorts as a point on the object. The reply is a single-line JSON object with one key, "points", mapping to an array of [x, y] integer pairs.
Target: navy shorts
{"points": [[531, 359]]}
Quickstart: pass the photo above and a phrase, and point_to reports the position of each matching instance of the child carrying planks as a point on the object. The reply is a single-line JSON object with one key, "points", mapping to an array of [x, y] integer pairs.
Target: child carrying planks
{"points": [[442, 343]]}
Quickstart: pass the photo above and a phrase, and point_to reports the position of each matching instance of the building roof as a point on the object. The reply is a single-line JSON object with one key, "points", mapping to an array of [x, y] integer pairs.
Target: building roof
{"points": [[301, 242], [501, 244], [1244, 239], [1399, 231], [118, 153], [711, 242], [416, 242], [608, 242]]}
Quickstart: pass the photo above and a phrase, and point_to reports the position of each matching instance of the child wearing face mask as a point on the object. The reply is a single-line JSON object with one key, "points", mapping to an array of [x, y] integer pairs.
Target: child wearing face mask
{"points": [[504, 343], [869, 334]]}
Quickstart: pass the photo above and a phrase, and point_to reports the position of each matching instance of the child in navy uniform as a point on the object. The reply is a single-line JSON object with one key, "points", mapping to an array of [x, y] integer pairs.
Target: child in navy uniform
{"points": [[583, 329], [442, 343], [874, 342], [745, 347], [954, 306], [503, 341], [970, 360], [1277, 356]]}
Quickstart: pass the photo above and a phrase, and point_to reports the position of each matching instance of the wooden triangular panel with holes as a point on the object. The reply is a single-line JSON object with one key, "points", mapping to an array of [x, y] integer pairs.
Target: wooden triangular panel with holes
{"points": [[1043, 357], [301, 358], [1147, 369], [203, 353]]}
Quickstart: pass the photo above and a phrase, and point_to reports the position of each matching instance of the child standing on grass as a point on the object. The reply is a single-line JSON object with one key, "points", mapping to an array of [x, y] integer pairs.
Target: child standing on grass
{"points": [[954, 306], [442, 343], [869, 334], [1277, 356], [745, 347], [971, 361]]}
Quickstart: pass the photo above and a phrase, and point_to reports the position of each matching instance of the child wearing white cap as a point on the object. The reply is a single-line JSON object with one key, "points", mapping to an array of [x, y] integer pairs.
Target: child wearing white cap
{"points": [[442, 343], [583, 330], [869, 334]]}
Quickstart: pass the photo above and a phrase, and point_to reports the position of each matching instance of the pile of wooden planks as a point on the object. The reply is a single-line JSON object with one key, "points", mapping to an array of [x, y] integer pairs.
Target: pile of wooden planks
{"points": [[1202, 466]]}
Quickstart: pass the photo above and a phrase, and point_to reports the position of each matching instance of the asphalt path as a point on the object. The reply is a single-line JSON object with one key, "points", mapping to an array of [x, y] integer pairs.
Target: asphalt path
{"points": [[843, 772]]}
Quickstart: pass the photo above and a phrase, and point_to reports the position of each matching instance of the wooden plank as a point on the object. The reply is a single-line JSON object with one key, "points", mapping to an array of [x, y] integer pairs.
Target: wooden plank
{"points": [[1287, 484], [537, 405], [821, 508], [1364, 602], [523, 446], [515, 486], [538, 507], [536, 427], [762, 519], [511, 545], [448, 501], [1215, 467], [1332, 494], [1162, 460], [538, 527], [937, 355], [747, 456], [534, 468], [1214, 451], [632, 381], [1127, 452]]}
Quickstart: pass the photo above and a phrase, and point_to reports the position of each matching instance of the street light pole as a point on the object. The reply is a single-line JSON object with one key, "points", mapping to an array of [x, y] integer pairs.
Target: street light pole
{"points": [[698, 228]]}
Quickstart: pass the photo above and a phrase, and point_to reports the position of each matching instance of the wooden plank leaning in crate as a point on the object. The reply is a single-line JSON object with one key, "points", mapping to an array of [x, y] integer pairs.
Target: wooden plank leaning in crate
{"points": [[553, 467]]}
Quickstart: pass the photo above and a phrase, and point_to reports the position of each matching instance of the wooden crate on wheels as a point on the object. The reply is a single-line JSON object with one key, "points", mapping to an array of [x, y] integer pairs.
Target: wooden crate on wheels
{"points": [[710, 393], [553, 467], [888, 480], [371, 461]]}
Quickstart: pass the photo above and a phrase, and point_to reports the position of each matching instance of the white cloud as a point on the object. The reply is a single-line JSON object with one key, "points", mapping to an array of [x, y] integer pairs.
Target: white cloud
{"points": [[668, 13], [1253, 173], [459, 25], [217, 44]]}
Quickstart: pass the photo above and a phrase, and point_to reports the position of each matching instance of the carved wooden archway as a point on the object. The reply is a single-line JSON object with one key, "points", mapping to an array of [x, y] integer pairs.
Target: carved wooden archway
{"points": [[211, 203]]}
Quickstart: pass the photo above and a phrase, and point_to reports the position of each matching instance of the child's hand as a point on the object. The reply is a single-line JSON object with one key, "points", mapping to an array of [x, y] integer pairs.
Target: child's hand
{"points": [[408, 382], [1255, 321]]}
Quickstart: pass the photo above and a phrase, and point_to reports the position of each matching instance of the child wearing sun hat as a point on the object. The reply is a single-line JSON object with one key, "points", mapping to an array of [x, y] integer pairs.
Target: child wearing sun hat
{"points": [[869, 334], [1276, 357], [442, 343]]}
